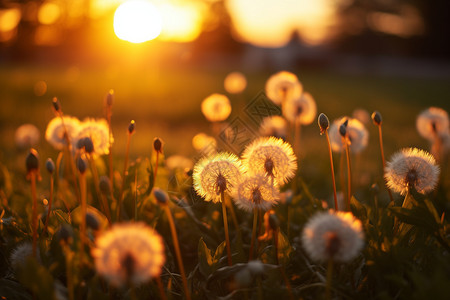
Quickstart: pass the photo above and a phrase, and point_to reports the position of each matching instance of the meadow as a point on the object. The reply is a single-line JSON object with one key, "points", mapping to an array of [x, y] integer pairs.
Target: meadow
{"points": [[406, 249]]}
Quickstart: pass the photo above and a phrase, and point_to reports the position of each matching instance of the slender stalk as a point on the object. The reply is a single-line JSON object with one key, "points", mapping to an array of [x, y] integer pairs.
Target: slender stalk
{"points": [[83, 212], [110, 155], [49, 203], [225, 225], [102, 198], [341, 173], [349, 175], [156, 165], [380, 135], [124, 175], [255, 224], [234, 218], [283, 273], [176, 245], [329, 278], [162, 294], [34, 215], [332, 171]]}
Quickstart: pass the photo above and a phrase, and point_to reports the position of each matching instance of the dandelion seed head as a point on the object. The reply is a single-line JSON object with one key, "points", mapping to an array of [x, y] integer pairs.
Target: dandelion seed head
{"points": [[98, 132], [361, 115], [302, 110], [433, 123], [129, 252], [333, 235], [26, 136], [235, 83], [282, 87], [271, 156], [256, 191], [274, 126], [356, 132], [412, 168], [20, 254], [55, 133], [216, 107], [219, 173]]}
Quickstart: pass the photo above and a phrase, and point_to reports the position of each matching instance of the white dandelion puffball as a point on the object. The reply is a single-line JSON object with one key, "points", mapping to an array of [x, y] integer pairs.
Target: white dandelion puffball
{"points": [[216, 107], [256, 191], [432, 123], [412, 168], [129, 252], [270, 156], [283, 86], [98, 132], [26, 136], [302, 110], [56, 130], [333, 235], [358, 136], [274, 126], [216, 174], [235, 83]]}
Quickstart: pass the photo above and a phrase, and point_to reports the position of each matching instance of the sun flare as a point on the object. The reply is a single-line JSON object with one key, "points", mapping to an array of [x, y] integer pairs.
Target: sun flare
{"points": [[137, 21]]}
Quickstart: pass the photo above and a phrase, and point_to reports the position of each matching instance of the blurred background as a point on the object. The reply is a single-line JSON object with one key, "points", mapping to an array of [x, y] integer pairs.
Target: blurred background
{"points": [[386, 55]]}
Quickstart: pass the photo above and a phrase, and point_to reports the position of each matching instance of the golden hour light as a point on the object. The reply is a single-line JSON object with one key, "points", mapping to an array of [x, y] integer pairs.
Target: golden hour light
{"points": [[137, 21], [49, 13], [181, 23]]}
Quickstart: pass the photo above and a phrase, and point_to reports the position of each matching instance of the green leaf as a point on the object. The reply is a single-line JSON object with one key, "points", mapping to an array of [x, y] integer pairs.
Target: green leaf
{"points": [[205, 259], [416, 216], [358, 209], [61, 216], [284, 248]]}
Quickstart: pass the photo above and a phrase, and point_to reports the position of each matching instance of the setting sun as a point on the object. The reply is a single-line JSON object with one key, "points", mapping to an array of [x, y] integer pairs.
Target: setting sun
{"points": [[137, 21]]}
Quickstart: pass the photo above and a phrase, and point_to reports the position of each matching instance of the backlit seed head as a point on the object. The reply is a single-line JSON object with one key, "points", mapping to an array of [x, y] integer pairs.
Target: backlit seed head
{"points": [[158, 145], [50, 165], [324, 123], [376, 118], [32, 161], [131, 127]]}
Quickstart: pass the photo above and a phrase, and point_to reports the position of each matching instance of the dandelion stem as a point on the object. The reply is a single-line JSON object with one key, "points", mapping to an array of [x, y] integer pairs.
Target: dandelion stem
{"points": [[349, 175], [124, 175], [225, 225], [83, 212], [162, 294], [380, 135], [102, 198], [332, 171], [49, 203], [176, 245], [34, 216], [156, 165], [255, 224], [110, 155], [282, 271], [234, 218], [329, 278]]}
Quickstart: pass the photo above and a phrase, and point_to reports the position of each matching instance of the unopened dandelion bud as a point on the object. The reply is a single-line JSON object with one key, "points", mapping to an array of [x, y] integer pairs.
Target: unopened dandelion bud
{"points": [[65, 234], [343, 130], [324, 123], [376, 118], [32, 161], [131, 127], [92, 221], [158, 145], [105, 185], [56, 104], [81, 165], [160, 196], [50, 165], [88, 145], [375, 188], [110, 98], [80, 143]]}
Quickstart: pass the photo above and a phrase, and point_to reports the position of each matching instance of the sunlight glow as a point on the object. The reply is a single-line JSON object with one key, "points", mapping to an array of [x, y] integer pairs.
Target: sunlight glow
{"points": [[181, 23], [49, 13], [137, 21], [9, 19]]}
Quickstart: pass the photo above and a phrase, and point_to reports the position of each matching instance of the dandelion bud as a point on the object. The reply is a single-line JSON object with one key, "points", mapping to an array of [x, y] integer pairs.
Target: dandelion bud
{"points": [[56, 105], [343, 130], [65, 234], [132, 127], [80, 143], [324, 123], [105, 185], [88, 145], [375, 188], [92, 221], [376, 118], [157, 145], [160, 196], [50, 165], [32, 161], [110, 98], [81, 165]]}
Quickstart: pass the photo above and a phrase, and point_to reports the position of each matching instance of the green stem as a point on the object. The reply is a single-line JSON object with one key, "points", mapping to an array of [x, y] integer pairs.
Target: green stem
{"points": [[255, 224], [380, 136], [162, 294], [34, 215], [225, 224], [349, 175], [83, 214], [49, 203], [176, 245], [101, 197], [332, 171]]}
